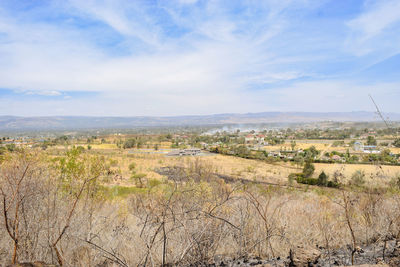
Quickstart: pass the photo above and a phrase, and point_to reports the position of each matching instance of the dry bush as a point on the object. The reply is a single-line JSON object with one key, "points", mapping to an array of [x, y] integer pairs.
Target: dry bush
{"points": [[184, 222], [39, 201]]}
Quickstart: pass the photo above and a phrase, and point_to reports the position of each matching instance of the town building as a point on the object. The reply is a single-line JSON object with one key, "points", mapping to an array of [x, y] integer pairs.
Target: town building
{"points": [[185, 152]]}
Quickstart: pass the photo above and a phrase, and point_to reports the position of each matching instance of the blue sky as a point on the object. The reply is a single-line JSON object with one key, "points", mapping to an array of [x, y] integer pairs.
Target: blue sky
{"points": [[179, 57]]}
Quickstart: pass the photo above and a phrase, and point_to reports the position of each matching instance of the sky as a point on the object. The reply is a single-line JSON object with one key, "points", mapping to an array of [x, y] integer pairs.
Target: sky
{"points": [[194, 57]]}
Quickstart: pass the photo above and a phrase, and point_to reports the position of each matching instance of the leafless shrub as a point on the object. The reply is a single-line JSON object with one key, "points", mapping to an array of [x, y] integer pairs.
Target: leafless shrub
{"points": [[38, 203], [55, 212]]}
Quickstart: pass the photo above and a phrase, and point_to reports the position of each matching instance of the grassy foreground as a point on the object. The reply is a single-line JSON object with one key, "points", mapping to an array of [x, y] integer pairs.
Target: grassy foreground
{"points": [[81, 208]]}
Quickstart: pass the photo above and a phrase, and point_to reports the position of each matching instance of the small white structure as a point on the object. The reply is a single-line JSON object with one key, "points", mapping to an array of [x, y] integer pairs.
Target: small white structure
{"points": [[358, 146], [185, 152], [249, 138], [371, 150]]}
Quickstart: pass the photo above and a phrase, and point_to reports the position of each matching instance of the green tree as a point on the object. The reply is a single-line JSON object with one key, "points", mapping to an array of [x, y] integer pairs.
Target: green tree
{"points": [[293, 144], [308, 169], [11, 147], [371, 141], [311, 153], [322, 178], [139, 144], [129, 143], [396, 142]]}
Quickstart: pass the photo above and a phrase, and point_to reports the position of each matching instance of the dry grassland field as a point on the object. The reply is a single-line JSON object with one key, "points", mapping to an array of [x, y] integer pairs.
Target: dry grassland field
{"points": [[322, 145], [252, 169], [148, 161], [325, 147], [199, 133], [204, 210], [374, 174]]}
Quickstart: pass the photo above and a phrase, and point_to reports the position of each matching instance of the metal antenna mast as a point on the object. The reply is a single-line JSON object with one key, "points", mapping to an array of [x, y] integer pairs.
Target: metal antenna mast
{"points": [[379, 112]]}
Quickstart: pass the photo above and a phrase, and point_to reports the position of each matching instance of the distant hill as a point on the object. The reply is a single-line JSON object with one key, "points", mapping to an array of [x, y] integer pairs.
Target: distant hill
{"points": [[84, 122]]}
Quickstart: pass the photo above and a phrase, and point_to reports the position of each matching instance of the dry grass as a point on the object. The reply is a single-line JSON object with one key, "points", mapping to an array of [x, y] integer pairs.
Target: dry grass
{"points": [[374, 174], [236, 167], [222, 164], [191, 222], [104, 146], [395, 150], [251, 169]]}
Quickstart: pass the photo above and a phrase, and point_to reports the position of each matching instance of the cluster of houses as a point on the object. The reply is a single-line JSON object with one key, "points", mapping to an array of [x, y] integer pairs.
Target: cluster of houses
{"points": [[284, 154], [16, 142], [255, 138], [360, 147]]}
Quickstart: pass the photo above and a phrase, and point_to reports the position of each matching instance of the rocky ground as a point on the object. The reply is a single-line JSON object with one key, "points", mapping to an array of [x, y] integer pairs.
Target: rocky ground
{"points": [[365, 256]]}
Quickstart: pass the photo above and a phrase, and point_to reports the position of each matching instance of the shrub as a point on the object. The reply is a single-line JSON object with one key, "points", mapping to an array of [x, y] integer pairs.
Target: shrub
{"points": [[322, 179], [113, 162], [291, 178], [132, 166], [306, 180], [129, 143], [338, 143], [11, 147], [395, 182], [80, 149], [396, 142], [332, 184], [153, 183], [371, 141], [250, 169], [138, 178], [358, 178], [308, 169]]}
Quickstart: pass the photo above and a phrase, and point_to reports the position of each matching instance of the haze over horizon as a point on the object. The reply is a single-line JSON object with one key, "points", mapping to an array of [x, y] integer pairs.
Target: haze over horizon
{"points": [[373, 115], [181, 57]]}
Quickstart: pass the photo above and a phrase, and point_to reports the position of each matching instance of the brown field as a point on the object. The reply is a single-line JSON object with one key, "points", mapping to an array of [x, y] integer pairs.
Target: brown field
{"points": [[104, 146], [261, 221], [147, 163], [325, 147], [374, 174], [246, 168], [164, 219], [322, 145], [221, 164]]}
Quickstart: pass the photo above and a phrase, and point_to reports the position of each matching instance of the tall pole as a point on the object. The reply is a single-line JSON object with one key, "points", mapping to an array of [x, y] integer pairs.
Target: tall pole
{"points": [[380, 113]]}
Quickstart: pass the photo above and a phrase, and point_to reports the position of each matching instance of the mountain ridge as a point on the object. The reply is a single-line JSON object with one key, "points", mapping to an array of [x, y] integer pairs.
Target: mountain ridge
{"points": [[86, 122]]}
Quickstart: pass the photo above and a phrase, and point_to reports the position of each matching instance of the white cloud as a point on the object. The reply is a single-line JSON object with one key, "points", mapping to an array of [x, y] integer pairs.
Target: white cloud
{"points": [[138, 65], [377, 28], [187, 1], [331, 95], [44, 57], [126, 17], [377, 18], [44, 93]]}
